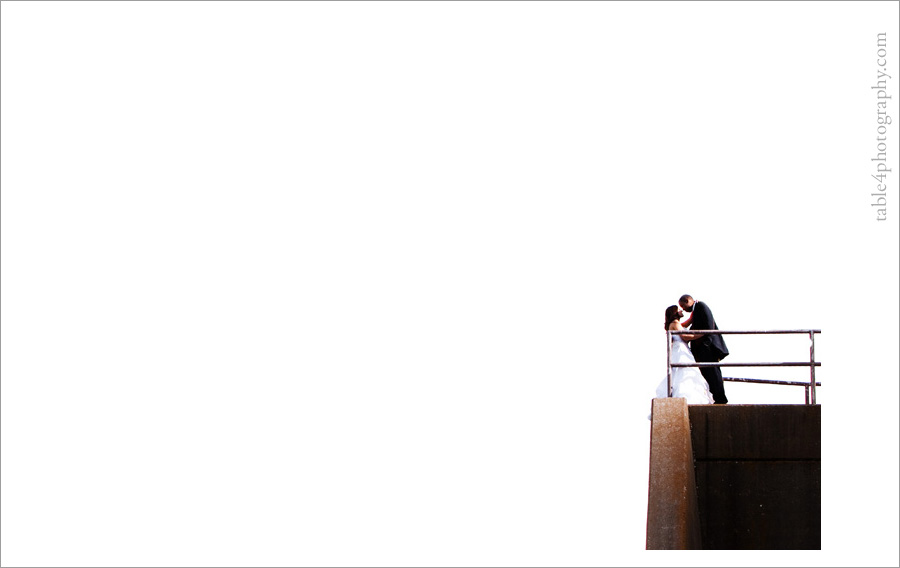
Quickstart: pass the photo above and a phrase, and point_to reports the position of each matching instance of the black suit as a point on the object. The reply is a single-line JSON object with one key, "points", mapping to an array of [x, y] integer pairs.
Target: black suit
{"points": [[709, 349]]}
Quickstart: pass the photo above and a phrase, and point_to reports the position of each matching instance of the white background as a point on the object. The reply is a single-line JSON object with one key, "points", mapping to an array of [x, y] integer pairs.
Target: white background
{"points": [[383, 284]]}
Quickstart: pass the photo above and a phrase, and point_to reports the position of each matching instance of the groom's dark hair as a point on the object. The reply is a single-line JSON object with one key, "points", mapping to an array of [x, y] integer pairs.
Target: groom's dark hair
{"points": [[685, 298]]}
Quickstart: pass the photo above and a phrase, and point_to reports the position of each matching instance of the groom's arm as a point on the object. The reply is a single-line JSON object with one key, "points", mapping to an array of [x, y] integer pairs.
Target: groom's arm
{"points": [[687, 336]]}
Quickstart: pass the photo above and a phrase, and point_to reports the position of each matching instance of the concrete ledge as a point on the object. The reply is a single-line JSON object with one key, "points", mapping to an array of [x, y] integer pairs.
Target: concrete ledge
{"points": [[673, 519]]}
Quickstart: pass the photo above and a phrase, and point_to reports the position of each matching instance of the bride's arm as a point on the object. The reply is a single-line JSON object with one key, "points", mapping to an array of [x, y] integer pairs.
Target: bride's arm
{"points": [[687, 323], [676, 326]]}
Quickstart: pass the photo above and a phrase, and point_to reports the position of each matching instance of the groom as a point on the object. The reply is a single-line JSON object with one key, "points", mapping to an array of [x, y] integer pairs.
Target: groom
{"points": [[709, 348]]}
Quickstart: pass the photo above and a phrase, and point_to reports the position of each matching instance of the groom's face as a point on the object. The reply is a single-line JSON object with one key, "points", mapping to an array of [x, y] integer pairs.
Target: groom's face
{"points": [[687, 305]]}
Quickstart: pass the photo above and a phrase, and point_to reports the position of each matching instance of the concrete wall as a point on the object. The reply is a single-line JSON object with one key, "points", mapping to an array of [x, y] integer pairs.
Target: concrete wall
{"points": [[673, 520], [758, 473]]}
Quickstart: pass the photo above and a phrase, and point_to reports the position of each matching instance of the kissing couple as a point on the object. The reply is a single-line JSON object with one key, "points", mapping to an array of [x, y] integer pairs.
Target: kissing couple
{"points": [[703, 386]]}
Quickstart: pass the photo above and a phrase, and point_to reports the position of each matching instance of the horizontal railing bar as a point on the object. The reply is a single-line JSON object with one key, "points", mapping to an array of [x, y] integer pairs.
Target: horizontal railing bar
{"points": [[719, 331], [769, 381], [800, 364]]}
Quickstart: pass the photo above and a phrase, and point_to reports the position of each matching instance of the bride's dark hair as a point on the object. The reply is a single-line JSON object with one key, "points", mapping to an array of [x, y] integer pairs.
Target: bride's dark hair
{"points": [[671, 315]]}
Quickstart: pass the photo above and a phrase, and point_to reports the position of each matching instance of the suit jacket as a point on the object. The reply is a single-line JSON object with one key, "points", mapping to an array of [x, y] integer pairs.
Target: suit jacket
{"points": [[712, 343]]}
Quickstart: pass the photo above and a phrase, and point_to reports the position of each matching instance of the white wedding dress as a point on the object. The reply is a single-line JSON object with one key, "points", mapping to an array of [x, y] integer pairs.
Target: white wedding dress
{"points": [[687, 382]]}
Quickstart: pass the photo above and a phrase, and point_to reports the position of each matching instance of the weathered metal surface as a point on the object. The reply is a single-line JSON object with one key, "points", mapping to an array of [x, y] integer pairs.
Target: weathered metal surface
{"points": [[756, 431], [760, 505], [758, 472]]}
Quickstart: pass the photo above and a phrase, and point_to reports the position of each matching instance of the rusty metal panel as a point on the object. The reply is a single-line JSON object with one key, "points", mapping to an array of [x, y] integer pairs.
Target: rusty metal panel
{"points": [[756, 431], [760, 505], [758, 473]]}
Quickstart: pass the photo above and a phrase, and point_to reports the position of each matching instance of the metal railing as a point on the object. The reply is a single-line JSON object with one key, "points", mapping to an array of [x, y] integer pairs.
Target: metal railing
{"points": [[812, 363]]}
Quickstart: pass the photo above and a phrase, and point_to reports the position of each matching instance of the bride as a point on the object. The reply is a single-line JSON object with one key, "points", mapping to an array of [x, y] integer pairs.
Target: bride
{"points": [[687, 382]]}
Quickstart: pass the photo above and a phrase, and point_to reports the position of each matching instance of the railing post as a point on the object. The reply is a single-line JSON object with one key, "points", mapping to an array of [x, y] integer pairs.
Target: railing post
{"points": [[812, 368], [669, 362]]}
